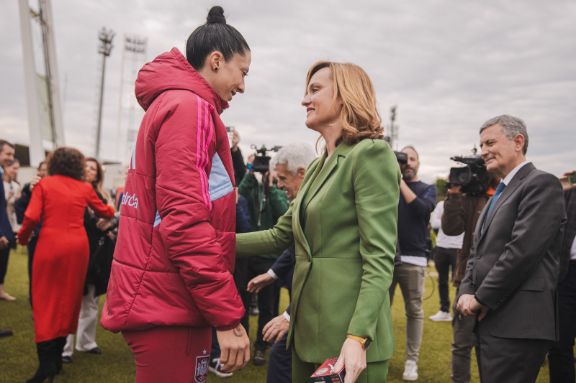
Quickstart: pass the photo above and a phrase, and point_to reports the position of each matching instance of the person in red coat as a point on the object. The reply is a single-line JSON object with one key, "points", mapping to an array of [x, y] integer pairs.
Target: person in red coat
{"points": [[62, 253], [171, 278]]}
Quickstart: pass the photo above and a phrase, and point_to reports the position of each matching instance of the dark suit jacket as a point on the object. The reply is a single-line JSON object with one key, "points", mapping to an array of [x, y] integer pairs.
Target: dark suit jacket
{"points": [[514, 263], [5, 227], [283, 267], [569, 232]]}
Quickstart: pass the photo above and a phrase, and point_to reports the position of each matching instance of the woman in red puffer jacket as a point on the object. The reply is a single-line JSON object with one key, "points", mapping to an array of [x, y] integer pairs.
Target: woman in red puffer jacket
{"points": [[171, 279]]}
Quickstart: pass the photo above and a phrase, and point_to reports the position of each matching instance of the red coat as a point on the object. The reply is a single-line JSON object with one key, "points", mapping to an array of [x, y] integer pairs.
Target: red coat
{"points": [[62, 253], [176, 244]]}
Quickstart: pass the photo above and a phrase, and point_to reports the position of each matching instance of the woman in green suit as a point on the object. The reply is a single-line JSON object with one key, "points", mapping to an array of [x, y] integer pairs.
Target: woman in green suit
{"points": [[343, 224]]}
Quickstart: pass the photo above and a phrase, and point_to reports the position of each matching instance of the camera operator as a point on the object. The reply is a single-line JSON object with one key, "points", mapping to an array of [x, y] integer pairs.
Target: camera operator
{"points": [[463, 205], [266, 203], [445, 253], [417, 201]]}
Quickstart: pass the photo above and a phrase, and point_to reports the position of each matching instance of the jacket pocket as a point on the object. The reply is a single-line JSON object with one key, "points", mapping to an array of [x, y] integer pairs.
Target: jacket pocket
{"points": [[533, 284]]}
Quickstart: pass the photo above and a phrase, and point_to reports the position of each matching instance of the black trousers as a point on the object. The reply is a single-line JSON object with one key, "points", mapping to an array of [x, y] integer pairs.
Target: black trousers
{"points": [[280, 363], [4, 255], [509, 360], [246, 269], [561, 355], [445, 261], [31, 249]]}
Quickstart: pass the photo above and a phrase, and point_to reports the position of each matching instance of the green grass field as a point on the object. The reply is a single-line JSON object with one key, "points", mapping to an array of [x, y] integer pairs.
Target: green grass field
{"points": [[18, 357]]}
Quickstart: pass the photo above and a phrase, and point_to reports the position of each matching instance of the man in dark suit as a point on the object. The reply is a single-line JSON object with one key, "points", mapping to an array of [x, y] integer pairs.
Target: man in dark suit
{"points": [[6, 233], [512, 274]]}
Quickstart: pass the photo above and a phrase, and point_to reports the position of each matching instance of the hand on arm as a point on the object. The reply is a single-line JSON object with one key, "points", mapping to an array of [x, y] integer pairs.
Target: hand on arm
{"points": [[104, 224], [34, 181]]}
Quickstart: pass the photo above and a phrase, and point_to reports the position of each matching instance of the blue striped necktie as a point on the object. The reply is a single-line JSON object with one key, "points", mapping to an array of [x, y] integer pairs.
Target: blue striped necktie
{"points": [[499, 190]]}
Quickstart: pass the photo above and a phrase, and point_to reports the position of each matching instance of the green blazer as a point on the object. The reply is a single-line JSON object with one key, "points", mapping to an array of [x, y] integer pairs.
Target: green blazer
{"points": [[343, 223]]}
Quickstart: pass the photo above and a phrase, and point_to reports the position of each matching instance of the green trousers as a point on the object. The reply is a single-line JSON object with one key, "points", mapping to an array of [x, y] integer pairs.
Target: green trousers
{"points": [[375, 372]]}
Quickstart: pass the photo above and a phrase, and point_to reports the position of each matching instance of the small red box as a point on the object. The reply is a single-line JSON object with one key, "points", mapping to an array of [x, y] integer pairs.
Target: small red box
{"points": [[326, 373]]}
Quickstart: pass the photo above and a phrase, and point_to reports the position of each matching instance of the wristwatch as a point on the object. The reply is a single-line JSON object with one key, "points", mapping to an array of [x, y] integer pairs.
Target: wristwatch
{"points": [[364, 342]]}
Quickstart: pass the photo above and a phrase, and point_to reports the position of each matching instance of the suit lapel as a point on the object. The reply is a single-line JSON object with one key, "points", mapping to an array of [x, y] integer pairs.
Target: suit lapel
{"points": [[321, 178], [319, 174], [326, 172], [508, 191], [296, 220]]}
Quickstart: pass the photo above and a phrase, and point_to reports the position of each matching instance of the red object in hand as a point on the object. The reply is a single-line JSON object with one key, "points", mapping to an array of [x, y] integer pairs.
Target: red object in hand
{"points": [[326, 373]]}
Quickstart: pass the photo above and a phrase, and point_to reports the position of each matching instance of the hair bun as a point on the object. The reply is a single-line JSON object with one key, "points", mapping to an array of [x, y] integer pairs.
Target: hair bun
{"points": [[216, 16]]}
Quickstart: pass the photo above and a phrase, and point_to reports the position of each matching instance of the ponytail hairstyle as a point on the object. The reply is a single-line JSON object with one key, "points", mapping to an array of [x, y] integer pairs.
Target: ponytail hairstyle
{"points": [[215, 35]]}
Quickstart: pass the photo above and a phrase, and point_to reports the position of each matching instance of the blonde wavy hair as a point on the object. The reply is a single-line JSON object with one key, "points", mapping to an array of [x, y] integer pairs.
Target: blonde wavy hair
{"points": [[359, 115]]}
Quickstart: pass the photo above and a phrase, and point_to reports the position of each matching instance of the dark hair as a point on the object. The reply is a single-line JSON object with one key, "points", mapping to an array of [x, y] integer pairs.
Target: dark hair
{"points": [[67, 162], [98, 183], [12, 162], [40, 164], [215, 35], [4, 143]]}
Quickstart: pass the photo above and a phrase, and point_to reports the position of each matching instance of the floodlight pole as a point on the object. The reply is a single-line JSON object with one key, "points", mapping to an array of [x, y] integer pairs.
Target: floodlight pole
{"points": [[105, 36]]}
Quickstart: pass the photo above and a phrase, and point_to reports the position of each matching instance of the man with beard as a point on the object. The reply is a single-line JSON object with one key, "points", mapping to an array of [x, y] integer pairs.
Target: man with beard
{"points": [[417, 200]]}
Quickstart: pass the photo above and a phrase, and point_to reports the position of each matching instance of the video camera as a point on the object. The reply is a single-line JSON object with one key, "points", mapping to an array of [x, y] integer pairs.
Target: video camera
{"points": [[472, 178], [401, 157], [261, 162]]}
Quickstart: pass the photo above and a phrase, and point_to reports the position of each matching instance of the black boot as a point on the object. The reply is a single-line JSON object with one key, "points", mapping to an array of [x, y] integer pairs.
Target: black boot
{"points": [[61, 342], [47, 368]]}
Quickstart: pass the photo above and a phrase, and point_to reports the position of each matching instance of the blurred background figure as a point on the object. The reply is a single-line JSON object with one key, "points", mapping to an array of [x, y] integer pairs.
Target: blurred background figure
{"points": [[445, 252], [242, 226], [237, 158], [6, 231], [561, 355], [21, 206], [266, 204], [62, 254], [290, 166], [101, 241], [12, 190]]}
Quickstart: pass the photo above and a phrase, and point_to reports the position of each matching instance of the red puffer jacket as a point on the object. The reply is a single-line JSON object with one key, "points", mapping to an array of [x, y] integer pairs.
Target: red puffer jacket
{"points": [[176, 245]]}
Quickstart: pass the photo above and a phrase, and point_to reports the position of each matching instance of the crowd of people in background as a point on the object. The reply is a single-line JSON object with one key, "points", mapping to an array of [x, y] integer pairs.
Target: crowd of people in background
{"points": [[202, 240], [64, 200]]}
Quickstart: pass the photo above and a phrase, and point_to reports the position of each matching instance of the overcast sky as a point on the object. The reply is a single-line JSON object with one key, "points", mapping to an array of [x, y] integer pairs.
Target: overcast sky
{"points": [[447, 65]]}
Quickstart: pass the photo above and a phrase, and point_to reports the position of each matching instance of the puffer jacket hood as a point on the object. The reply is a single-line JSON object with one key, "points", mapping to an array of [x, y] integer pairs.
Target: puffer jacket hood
{"points": [[175, 252], [171, 71]]}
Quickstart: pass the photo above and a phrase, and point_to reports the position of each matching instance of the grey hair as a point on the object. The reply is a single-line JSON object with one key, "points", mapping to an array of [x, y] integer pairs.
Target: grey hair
{"points": [[511, 126], [294, 156]]}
